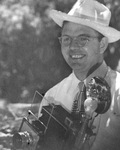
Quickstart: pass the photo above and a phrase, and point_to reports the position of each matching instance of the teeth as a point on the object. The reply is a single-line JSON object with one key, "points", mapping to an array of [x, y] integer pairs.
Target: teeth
{"points": [[77, 56]]}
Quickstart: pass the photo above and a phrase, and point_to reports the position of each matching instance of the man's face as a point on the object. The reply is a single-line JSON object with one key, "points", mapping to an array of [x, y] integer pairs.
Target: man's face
{"points": [[78, 56]]}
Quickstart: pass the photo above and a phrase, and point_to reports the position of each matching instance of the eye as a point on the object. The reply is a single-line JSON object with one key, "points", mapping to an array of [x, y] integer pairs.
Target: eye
{"points": [[65, 39], [83, 38]]}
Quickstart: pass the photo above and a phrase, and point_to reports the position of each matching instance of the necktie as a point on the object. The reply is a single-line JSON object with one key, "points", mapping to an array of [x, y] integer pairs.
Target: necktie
{"points": [[78, 103]]}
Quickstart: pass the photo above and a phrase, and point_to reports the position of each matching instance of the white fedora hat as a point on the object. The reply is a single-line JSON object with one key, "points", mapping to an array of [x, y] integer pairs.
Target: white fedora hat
{"points": [[89, 13]]}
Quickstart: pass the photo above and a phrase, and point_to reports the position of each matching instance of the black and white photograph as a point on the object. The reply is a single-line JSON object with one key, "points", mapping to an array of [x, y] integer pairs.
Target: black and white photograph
{"points": [[59, 74]]}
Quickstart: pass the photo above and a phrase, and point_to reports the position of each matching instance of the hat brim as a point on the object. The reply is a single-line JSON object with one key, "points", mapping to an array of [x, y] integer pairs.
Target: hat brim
{"points": [[112, 34]]}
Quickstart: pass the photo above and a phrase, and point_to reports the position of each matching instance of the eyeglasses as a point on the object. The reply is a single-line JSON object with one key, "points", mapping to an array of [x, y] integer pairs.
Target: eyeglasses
{"points": [[81, 40]]}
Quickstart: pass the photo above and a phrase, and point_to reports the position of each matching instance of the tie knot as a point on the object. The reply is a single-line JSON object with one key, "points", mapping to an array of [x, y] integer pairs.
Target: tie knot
{"points": [[81, 86]]}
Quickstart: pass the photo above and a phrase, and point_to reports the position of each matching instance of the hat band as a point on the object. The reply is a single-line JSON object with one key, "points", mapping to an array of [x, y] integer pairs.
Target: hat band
{"points": [[90, 18]]}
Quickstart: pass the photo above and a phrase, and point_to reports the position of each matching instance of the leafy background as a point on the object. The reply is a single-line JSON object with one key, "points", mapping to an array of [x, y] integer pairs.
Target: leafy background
{"points": [[30, 56]]}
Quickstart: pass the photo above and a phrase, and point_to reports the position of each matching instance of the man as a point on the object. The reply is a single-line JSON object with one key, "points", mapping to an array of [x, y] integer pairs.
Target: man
{"points": [[84, 38]]}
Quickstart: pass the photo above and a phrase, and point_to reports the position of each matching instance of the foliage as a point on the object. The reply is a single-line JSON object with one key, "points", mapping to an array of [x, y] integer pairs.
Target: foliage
{"points": [[30, 57]]}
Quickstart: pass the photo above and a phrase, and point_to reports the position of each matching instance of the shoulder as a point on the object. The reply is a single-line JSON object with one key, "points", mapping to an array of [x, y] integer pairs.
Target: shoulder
{"points": [[59, 86]]}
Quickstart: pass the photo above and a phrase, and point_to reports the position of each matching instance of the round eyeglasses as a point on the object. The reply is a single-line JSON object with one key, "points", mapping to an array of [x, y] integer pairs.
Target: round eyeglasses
{"points": [[81, 40]]}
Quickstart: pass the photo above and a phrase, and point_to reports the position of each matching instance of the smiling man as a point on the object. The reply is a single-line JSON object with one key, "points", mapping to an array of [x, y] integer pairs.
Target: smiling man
{"points": [[82, 47], [85, 35]]}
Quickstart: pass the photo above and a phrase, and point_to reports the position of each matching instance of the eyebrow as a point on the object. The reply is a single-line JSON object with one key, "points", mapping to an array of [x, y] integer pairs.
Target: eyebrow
{"points": [[87, 35]]}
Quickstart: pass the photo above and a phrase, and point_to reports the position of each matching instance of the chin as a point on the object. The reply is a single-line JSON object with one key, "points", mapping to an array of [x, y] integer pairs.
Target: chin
{"points": [[77, 67]]}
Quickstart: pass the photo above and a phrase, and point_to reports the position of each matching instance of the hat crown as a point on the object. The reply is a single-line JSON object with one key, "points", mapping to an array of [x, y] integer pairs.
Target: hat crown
{"points": [[91, 10]]}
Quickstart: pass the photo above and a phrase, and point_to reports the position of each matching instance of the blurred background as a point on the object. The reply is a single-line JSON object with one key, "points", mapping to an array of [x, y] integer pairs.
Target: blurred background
{"points": [[30, 55]]}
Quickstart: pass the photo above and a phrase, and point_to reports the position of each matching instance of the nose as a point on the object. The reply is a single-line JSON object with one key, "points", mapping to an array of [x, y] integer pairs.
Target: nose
{"points": [[74, 44]]}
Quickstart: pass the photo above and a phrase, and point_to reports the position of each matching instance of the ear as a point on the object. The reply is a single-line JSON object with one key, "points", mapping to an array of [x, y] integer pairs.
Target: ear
{"points": [[103, 44]]}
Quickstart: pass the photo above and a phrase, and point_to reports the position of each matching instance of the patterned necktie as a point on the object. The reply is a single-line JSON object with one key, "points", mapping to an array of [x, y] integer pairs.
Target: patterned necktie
{"points": [[78, 104]]}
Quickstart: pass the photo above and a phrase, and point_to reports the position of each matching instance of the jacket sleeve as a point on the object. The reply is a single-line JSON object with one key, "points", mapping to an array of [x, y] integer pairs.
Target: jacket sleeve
{"points": [[115, 93], [117, 102]]}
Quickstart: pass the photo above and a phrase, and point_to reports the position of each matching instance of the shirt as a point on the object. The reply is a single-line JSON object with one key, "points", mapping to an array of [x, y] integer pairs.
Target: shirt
{"points": [[107, 125]]}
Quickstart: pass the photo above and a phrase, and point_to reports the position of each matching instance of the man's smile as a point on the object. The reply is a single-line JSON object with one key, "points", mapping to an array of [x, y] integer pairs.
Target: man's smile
{"points": [[77, 56]]}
